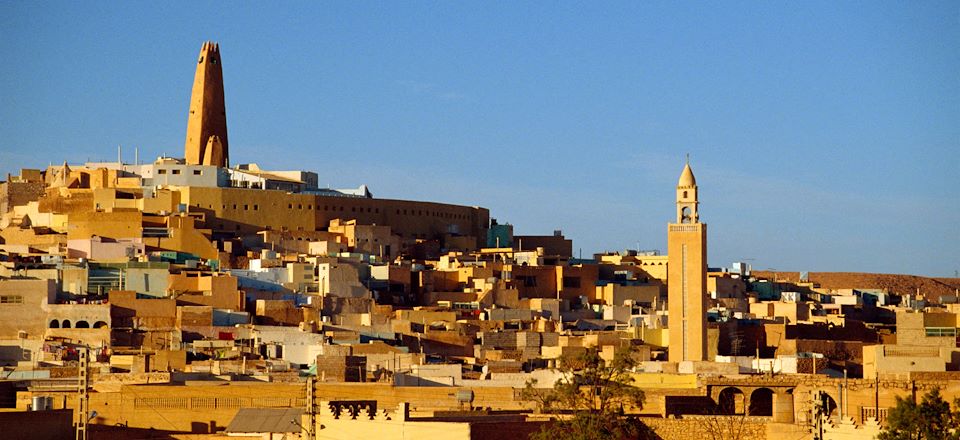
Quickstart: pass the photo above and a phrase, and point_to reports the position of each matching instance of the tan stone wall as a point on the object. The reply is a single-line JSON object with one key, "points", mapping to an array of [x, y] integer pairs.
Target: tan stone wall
{"points": [[277, 312], [615, 294], [709, 427], [128, 311], [18, 193], [184, 237], [29, 238], [85, 223], [66, 201], [576, 281], [28, 315], [196, 407], [219, 291], [544, 286], [859, 394]]}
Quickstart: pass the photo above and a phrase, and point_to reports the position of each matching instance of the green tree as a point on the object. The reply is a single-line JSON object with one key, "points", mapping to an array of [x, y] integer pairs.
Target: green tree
{"points": [[931, 419], [593, 395]]}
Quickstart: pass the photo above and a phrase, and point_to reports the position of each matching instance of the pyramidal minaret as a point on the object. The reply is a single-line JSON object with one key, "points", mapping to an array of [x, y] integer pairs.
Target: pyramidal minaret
{"points": [[207, 123]]}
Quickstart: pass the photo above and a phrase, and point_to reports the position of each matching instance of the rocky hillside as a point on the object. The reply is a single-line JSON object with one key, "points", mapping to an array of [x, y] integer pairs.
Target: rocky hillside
{"points": [[931, 288]]}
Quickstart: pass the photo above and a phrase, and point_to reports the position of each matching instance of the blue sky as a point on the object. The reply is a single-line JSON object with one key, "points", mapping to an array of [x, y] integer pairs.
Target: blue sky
{"points": [[825, 136]]}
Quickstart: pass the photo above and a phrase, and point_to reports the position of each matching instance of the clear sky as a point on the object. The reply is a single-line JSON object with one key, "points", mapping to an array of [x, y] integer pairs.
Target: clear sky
{"points": [[825, 136]]}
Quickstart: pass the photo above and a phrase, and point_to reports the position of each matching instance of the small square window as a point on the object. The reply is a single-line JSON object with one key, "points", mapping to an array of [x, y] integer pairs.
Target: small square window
{"points": [[161, 171], [175, 171], [197, 172]]}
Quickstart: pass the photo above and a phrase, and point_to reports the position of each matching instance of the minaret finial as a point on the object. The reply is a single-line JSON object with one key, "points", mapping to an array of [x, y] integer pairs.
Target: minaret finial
{"points": [[688, 158]]}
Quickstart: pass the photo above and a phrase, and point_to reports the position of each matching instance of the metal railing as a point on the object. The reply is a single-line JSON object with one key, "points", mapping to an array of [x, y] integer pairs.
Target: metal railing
{"points": [[870, 412]]}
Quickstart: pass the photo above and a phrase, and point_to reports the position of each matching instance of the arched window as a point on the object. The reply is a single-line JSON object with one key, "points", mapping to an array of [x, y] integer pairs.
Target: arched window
{"points": [[66, 323], [684, 194], [685, 216], [83, 324], [54, 324], [99, 324], [761, 402], [731, 401]]}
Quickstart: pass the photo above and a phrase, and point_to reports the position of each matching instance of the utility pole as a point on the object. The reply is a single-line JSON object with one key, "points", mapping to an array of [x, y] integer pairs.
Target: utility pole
{"points": [[819, 408], [876, 395], [842, 403], [845, 388], [311, 409], [83, 398]]}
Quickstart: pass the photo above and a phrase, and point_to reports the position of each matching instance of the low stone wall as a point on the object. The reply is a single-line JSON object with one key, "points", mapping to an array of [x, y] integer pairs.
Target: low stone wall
{"points": [[709, 427]]}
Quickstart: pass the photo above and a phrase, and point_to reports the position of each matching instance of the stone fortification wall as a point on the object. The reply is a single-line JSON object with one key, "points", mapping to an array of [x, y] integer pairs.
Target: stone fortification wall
{"points": [[244, 212]]}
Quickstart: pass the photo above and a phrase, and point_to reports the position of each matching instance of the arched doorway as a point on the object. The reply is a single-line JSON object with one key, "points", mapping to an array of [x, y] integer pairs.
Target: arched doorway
{"points": [[730, 401], [83, 324], [99, 324], [66, 323], [54, 323], [761, 402]]}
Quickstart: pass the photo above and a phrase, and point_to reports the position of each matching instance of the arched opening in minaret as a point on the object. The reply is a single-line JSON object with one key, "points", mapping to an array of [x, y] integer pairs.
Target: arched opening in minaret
{"points": [[685, 216]]}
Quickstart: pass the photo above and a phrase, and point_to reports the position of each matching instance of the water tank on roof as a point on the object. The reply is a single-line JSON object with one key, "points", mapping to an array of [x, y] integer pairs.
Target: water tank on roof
{"points": [[464, 396], [42, 403]]}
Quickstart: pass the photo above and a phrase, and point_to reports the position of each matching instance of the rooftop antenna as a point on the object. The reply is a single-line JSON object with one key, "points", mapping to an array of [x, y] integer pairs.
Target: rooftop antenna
{"points": [[136, 155], [119, 155]]}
